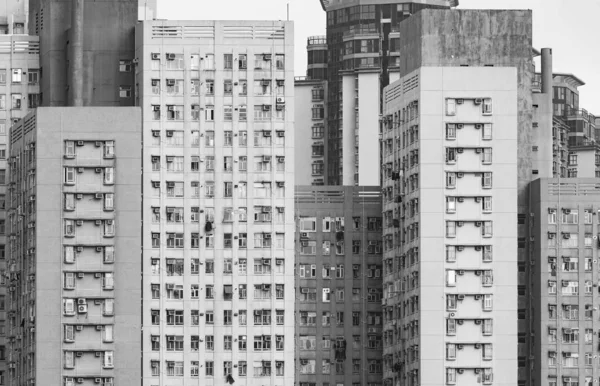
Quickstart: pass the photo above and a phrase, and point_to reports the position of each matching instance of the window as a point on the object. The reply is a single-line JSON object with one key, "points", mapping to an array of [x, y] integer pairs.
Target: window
{"points": [[17, 75], [228, 61], [450, 106], [487, 106], [450, 228], [16, 101], [486, 133], [125, 91]]}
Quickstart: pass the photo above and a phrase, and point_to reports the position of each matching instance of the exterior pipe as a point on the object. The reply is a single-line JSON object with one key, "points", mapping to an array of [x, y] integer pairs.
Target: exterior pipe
{"points": [[77, 53], [547, 71]]}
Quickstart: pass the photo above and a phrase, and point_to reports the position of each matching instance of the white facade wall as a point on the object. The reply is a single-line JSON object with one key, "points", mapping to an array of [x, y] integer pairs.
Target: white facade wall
{"points": [[360, 143], [427, 90], [212, 41]]}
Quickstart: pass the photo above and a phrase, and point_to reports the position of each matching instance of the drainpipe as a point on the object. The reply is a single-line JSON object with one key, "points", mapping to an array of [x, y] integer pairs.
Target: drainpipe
{"points": [[547, 71], [77, 53]]}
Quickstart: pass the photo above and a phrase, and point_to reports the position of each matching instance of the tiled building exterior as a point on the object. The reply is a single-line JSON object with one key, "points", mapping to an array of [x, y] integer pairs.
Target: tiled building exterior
{"points": [[338, 286], [73, 247], [218, 183]]}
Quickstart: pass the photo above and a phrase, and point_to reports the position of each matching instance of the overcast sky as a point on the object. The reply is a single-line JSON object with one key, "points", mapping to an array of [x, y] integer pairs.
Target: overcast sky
{"points": [[569, 27]]}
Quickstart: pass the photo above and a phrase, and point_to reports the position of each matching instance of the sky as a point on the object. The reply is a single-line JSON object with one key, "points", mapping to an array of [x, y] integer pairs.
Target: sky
{"points": [[566, 26]]}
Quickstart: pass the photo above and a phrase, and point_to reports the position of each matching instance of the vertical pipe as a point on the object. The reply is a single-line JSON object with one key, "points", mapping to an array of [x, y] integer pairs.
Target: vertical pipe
{"points": [[77, 53], [547, 70]]}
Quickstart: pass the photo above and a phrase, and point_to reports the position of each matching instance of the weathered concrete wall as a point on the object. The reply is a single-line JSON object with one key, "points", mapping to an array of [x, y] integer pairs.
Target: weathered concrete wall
{"points": [[477, 38], [108, 36]]}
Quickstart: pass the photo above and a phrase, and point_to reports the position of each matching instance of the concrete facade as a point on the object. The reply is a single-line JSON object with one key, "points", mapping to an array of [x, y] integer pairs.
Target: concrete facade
{"points": [[218, 201], [450, 197], [338, 284], [73, 305], [565, 281], [107, 51]]}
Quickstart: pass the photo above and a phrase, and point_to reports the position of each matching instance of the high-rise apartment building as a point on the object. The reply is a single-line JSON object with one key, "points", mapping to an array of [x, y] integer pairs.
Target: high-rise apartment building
{"points": [[453, 166], [19, 91], [309, 130], [73, 314], [362, 57], [218, 198], [564, 289], [338, 283]]}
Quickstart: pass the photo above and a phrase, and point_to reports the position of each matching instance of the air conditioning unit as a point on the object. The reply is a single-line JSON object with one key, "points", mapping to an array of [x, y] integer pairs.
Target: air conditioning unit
{"points": [[478, 150], [461, 297], [80, 275], [478, 247], [304, 290], [98, 170], [98, 354], [460, 248], [281, 133], [155, 56], [459, 346], [79, 380], [170, 56], [266, 209], [98, 222], [461, 272], [266, 158], [79, 354], [97, 275], [280, 100], [99, 327], [79, 249], [477, 199], [79, 327], [267, 57], [266, 108], [478, 126], [156, 108], [460, 175], [478, 273], [99, 196], [460, 223], [478, 101], [460, 199], [478, 321], [477, 223], [460, 101], [82, 309], [80, 143], [566, 236], [97, 380], [79, 170], [459, 149], [79, 223], [79, 196], [266, 133], [170, 82]]}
